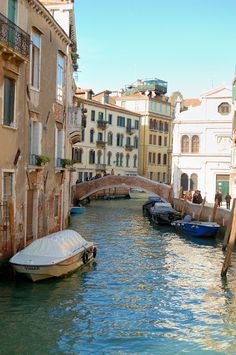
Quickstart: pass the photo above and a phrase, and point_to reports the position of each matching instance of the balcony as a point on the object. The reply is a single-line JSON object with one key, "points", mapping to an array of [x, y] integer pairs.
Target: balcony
{"points": [[130, 130], [129, 147], [75, 124], [100, 166], [102, 124], [13, 39], [101, 144]]}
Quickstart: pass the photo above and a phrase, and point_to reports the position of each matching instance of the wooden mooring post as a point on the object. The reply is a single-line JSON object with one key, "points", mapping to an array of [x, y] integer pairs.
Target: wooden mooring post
{"points": [[213, 216], [180, 196], [201, 208], [229, 226], [230, 245]]}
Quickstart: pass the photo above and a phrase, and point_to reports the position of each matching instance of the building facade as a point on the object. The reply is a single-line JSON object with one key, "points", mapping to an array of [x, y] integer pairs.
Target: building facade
{"points": [[202, 145], [36, 100], [110, 139], [148, 99]]}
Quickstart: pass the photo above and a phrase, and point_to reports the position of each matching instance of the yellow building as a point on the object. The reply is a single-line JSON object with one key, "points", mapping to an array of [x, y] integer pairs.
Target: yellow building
{"points": [[148, 98]]}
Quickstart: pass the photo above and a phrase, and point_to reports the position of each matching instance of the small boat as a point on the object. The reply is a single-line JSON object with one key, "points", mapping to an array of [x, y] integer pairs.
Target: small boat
{"points": [[138, 193], [163, 213], [151, 202], [196, 228], [77, 210], [54, 255]]}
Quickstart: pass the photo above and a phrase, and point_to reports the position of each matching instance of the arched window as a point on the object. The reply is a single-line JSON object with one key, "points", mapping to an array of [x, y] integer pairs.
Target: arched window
{"points": [[185, 144], [195, 144], [118, 140], [109, 138], [193, 182], [135, 142], [99, 156], [121, 159], [117, 159], [135, 161], [77, 154], [127, 160], [121, 140], [184, 182], [128, 141], [91, 157], [91, 136], [109, 155]]}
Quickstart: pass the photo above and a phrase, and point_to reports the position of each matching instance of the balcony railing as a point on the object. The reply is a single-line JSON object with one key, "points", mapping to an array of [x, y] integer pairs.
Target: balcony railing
{"points": [[14, 36], [101, 144], [129, 147], [100, 166], [130, 130], [102, 124]]}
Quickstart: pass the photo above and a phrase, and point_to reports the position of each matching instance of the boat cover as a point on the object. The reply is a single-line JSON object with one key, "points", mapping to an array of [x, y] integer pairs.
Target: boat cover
{"points": [[51, 249]]}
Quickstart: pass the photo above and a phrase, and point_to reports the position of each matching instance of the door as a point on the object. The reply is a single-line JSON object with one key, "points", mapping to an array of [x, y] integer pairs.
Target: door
{"points": [[222, 184]]}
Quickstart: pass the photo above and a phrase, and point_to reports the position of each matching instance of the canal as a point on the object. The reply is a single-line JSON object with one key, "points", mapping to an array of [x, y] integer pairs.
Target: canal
{"points": [[150, 291]]}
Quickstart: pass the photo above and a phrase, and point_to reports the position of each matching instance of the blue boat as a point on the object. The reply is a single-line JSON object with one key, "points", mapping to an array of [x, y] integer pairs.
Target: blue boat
{"points": [[77, 210], [196, 228]]}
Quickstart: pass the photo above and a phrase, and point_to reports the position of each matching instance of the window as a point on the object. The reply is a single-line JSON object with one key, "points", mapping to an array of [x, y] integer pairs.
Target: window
{"points": [[159, 158], [56, 206], [159, 140], [136, 142], [127, 161], [9, 101], [110, 138], [117, 159], [154, 139], [92, 115], [195, 144], [135, 161], [164, 177], [119, 140], [120, 121], [91, 136], [100, 116], [100, 137], [77, 154], [109, 155], [184, 182], [158, 176], [99, 156], [149, 157], [35, 60], [59, 148], [128, 141], [165, 141], [164, 159], [60, 76], [110, 118], [185, 144], [224, 108], [91, 157], [7, 185], [153, 158], [82, 135], [35, 140], [160, 126], [150, 139], [166, 127], [121, 159]]}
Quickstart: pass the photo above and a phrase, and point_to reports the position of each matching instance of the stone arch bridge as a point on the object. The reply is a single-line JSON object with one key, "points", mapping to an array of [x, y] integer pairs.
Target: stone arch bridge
{"points": [[83, 190]]}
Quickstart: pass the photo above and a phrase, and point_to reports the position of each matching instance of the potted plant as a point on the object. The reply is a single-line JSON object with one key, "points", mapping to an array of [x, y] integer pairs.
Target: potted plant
{"points": [[42, 160], [66, 162]]}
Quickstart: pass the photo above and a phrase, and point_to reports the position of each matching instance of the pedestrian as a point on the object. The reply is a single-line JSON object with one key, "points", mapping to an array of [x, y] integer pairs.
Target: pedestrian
{"points": [[217, 198], [112, 172], [220, 199], [190, 195], [227, 200]]}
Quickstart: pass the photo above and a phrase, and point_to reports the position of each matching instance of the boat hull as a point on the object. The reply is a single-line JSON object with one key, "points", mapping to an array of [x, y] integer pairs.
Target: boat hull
{"points": [[196, 229], [41, 272], [77, 210]]}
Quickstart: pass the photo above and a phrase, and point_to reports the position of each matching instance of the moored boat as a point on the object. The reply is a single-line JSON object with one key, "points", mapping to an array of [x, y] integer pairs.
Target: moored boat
{"points": [[54, 255], [164, 213], [196, 228], [138, 193], [77, 209]]}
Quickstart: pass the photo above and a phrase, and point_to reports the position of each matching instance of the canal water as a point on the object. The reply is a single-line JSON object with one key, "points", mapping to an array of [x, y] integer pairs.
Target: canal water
{"points": [[150, 291]]}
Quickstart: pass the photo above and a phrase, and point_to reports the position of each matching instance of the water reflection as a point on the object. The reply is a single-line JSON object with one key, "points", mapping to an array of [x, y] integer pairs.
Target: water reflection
{"points": [[150, 291]]}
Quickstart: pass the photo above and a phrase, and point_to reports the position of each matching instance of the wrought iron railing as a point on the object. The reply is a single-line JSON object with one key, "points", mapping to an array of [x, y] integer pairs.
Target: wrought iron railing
{"points": [[14, 36]]}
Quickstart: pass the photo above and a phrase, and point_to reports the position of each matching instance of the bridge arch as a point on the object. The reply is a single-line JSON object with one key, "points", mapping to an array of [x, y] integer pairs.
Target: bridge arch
{"points": [[85, 189]]}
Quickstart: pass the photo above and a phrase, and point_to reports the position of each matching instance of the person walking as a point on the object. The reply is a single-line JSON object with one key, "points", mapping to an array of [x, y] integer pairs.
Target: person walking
{"points": [[227, 200]]}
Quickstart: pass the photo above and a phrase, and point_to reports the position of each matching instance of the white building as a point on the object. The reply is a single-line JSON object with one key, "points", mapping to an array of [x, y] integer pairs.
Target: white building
{"points": [[202, 143], [110, 139]]}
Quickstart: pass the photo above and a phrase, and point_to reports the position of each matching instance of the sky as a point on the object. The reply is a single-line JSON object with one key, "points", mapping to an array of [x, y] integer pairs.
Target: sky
{"points": [[191, 44]]}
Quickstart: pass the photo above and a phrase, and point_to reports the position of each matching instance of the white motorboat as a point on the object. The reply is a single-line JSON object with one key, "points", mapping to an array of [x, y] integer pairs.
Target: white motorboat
{"points": [[54, 255]]}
